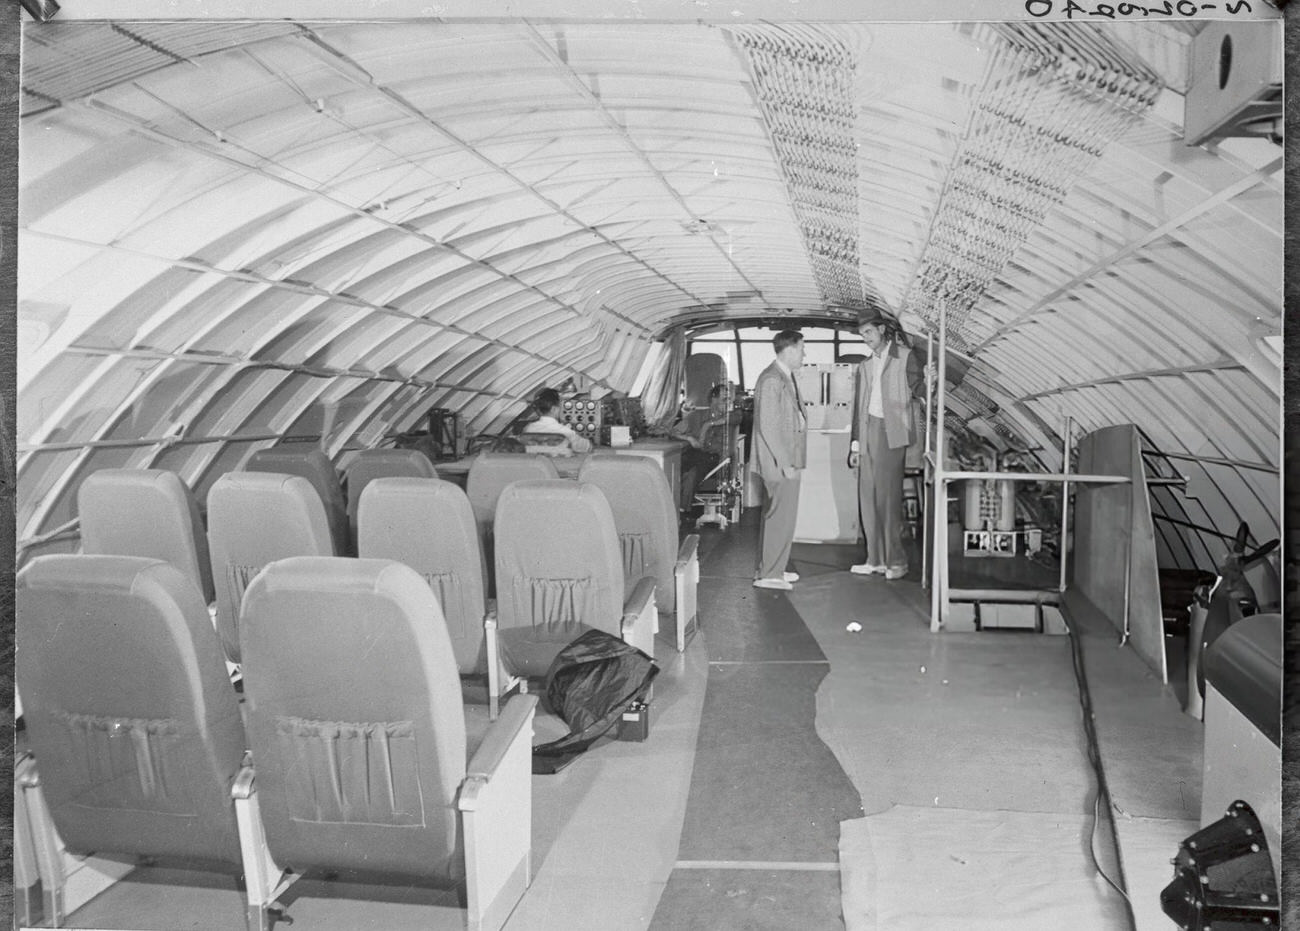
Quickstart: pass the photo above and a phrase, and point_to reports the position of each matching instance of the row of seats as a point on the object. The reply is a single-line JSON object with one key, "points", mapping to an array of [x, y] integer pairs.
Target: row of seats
{"points": [[316, 468], [645, 518], [257, 517], [355, 754], [560, 558], [151, 512]]}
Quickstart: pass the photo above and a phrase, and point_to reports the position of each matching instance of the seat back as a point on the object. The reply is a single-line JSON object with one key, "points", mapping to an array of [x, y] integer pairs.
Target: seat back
{"points": [[315, 467], [255, 518], [428, 525], [371, 464], [145, 512], [703, 371], [559, 571], [490, 473], [645, 517], [354, 717], [134, 724]]}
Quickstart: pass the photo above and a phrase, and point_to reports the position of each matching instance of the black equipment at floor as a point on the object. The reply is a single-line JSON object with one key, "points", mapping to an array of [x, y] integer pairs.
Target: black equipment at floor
{"points": [[590, 685], [1223, 877]]}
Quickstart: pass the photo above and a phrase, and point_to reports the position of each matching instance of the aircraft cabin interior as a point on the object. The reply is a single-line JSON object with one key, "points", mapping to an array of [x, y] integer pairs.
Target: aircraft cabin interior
{"points": [[665, 466]]}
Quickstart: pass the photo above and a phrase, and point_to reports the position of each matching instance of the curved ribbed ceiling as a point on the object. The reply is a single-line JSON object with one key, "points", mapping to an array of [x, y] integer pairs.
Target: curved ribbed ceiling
{"points": [[234, 231]]}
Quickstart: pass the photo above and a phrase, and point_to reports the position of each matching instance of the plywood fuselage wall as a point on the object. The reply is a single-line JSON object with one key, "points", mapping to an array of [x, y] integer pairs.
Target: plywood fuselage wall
{"points": [[1114, 553]]}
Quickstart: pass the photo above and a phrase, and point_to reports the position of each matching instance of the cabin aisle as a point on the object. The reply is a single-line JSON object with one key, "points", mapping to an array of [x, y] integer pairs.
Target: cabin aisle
{"points": [[758, 849]]}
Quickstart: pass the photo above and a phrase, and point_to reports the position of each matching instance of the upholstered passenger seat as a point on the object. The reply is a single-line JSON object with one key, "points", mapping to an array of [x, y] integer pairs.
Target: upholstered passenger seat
{"points": [[255, 518], [134, 726], [490, 473], [313, 465], [428, 524], [645, 517], [370, 464], [365, 763]]}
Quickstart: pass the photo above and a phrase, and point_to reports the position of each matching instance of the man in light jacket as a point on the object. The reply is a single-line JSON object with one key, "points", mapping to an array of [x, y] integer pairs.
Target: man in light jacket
{"points": [[780, 451], [883, 428]]}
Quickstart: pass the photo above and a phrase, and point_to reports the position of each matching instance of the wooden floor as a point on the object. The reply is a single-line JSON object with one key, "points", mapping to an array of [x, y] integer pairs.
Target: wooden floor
{"points": [[775, 729]]}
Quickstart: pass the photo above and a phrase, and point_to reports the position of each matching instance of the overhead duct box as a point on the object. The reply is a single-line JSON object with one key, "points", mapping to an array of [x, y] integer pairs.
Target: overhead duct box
{"points": [[1235, 84]]}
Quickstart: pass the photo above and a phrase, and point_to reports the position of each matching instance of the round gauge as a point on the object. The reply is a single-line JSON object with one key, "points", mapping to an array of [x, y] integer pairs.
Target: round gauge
{"points": [[568, 405], [591, 405]]}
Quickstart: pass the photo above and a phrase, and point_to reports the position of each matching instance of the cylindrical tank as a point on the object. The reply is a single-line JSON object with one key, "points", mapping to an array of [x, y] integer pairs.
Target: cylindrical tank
{"points": [[1006, 505], [972, 504], [970, 494]]}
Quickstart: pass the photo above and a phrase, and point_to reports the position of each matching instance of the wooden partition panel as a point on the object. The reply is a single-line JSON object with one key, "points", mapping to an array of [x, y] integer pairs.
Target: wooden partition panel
{"points": [[1114, 553]]}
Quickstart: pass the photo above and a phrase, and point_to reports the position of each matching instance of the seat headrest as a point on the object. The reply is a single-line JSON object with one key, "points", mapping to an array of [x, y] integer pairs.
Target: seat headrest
{"points": [[627, 468], [276, 454], [539, 518], [108, 481], [264, 483], [578, 496], [145, 512], [120, 574], [396, 491], [531, 464], [278, 503], [410, 461]]}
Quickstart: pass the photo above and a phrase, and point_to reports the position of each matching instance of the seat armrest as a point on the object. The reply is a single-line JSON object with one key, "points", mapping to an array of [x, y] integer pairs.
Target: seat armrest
{"points": [[515, 722], [241, 788], [642, 597], [25, 772], [264, 879], [641, 617], [689, 550], [686, 579], [496, 811]]}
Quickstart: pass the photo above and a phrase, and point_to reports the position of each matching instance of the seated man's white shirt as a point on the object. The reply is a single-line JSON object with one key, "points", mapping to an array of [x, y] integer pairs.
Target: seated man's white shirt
{"points": [[549, 424]]}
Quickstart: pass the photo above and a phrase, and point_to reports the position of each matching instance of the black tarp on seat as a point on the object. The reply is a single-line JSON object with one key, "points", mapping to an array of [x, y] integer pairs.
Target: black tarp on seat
{"points": [[590, 684], [1245, 665]]}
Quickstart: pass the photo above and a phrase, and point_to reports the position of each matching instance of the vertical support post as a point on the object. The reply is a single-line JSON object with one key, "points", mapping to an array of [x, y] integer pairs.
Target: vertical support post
{"points": [[939, 589], [927, 480], [1128, 581], [1068, 447]]}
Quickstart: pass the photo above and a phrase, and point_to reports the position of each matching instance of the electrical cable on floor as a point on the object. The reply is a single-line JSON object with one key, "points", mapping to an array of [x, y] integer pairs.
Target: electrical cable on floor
{"points": [[1094, 758]]}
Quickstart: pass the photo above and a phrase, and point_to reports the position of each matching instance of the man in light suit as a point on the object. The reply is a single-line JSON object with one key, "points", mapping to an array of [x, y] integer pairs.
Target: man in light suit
{"points": [[780, 451], [883, 428]]}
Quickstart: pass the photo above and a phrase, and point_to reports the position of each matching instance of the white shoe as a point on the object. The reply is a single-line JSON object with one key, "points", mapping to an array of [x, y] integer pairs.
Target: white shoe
{"points": [[867, 568], [780, 585], [894, 573], [790, 576]]}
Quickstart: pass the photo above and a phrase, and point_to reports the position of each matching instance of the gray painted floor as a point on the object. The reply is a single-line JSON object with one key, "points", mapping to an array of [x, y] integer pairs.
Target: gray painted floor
{"points": [[774, 726]]}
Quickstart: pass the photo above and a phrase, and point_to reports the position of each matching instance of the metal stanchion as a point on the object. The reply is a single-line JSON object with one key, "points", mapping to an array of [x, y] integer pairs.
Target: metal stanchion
{"points": [[939, 582], [1065, 497], [927, 478]]}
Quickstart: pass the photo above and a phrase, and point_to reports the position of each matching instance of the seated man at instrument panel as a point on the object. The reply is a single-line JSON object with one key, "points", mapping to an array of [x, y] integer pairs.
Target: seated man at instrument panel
{"points": [[707, 433], [547, 404], [780, 451], [884, 385]]}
